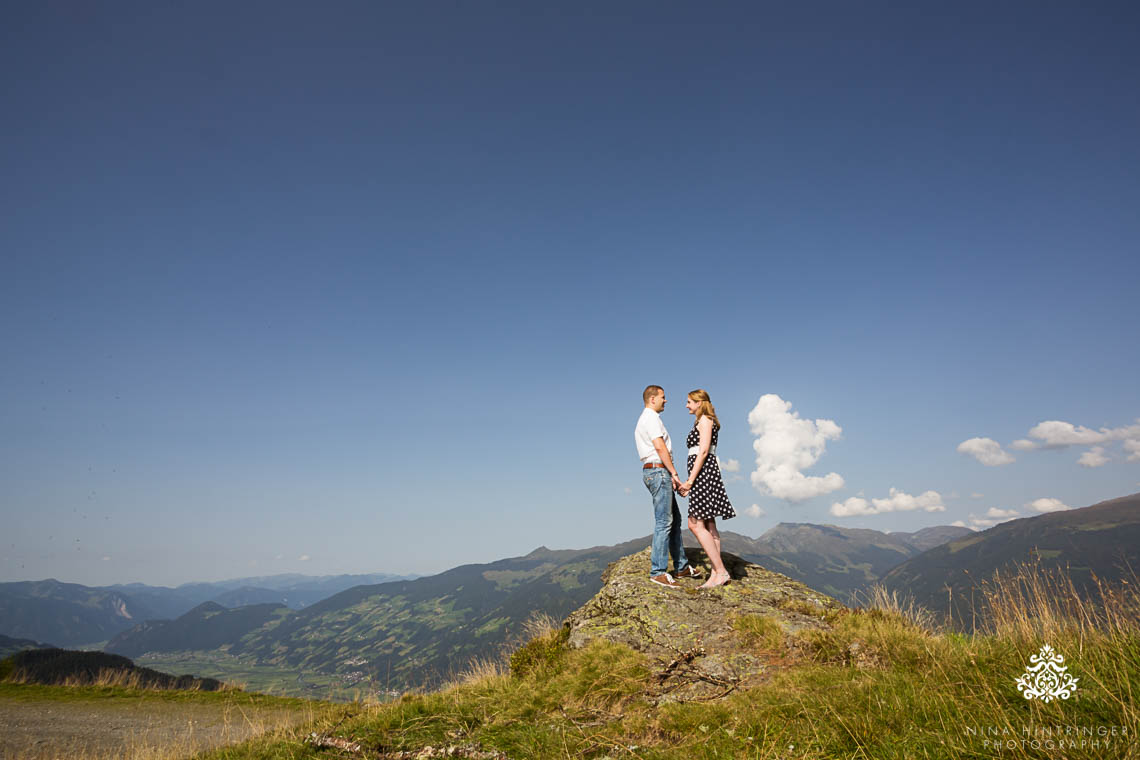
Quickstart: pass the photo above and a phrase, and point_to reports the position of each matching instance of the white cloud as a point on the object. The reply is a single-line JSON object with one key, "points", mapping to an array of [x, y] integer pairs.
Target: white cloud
{"points": [[754, 511], [1094, 457], [304, 558], [1055, 434], [992, 517], [852, 507], [105, 559], [1132, 446], [985, 450], [898, 501], [976, 495], [1058, 434], [1047, 505], [981, 523], [628, 490], [729, 465], [786, 445], [928, 501]]}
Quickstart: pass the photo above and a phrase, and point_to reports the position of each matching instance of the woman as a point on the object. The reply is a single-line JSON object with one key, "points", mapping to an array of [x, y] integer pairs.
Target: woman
{"points": [[705, 489]]}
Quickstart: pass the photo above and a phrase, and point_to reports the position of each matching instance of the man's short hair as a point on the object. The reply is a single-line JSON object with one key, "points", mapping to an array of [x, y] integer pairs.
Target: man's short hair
{"points": [[650, 392]]}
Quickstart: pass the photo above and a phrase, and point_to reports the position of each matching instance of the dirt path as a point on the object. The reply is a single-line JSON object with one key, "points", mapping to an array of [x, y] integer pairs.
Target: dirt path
{"points": [[123, 728]]}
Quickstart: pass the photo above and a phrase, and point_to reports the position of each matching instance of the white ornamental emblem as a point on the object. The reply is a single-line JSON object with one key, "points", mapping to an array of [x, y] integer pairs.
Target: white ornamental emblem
{"points": [[1045, 678]]}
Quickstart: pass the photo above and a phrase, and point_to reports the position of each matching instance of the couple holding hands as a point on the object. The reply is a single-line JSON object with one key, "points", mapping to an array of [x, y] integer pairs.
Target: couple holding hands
{"points": [[704, 488]]}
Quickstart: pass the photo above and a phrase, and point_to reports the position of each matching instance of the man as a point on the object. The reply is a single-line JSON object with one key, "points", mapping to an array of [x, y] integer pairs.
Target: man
{"points": [[660, 476]]}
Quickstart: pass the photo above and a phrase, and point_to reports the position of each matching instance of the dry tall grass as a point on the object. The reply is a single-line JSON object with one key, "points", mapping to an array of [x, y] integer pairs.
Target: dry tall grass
{"points": [[115, 677], [1030, 601], [878, 598], [482, 669]]}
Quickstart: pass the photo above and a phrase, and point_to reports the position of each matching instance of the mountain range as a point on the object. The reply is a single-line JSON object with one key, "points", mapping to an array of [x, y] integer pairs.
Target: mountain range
{"points": [[415, 633], [71, 615], [1101, 541]]}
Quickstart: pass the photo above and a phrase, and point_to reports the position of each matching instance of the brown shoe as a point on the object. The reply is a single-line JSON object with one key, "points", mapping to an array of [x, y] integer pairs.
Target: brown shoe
{"points": [[689, 572], [665, 580]]}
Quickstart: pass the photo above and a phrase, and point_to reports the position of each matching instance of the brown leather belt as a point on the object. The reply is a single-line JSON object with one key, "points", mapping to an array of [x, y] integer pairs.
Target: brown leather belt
{"points": [[651, 465]]}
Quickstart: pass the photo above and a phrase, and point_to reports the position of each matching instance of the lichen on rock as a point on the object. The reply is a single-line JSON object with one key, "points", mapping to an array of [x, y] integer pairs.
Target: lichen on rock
{"points": [[699, 638]]}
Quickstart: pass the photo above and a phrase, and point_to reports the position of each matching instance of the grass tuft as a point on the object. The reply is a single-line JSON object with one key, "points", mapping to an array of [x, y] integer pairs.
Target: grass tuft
{"points": [[542, 655], [760, 631]]}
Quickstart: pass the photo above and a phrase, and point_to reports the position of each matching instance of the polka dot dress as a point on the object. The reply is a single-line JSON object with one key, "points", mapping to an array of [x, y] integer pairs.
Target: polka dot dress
{"points": [[708, 497]]}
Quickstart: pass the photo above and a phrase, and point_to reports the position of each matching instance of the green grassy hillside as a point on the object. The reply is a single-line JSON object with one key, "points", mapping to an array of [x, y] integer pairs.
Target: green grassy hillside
{"points": [[880, 684], [207, 626], [417, 633]]}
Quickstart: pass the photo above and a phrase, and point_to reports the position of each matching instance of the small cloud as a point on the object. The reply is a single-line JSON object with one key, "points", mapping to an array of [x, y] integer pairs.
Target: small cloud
{"points": [[976, 495], [992, 517], [754, 511], [953, 495], [105, 559], [1055, 434], [897, 501], [1094, 457], [1132, 446], [985, 450], [958, 524], [628, 490], [1058, 434], [1047, 505], [280, 556], [852, 507], [304, 558], [252, 563], [729, 465]]}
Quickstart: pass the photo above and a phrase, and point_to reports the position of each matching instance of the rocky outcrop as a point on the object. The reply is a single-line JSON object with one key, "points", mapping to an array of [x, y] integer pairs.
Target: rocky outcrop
{"points": [[704, 642]]}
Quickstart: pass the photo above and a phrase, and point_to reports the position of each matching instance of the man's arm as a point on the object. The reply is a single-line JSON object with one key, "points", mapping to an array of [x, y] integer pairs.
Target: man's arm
{"points": [[666, 458]]}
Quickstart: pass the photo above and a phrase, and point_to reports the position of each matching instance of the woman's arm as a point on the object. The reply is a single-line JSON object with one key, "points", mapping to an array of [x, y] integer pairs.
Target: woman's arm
{"points": [[704, 429]]}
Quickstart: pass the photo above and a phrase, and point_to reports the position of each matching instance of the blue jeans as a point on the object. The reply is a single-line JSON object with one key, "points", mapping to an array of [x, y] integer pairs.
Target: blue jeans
{"points": [[667, 523]]}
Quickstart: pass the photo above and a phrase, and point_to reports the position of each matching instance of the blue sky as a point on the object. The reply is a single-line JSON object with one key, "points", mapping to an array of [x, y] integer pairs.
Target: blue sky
{"points": [[294, 287]]}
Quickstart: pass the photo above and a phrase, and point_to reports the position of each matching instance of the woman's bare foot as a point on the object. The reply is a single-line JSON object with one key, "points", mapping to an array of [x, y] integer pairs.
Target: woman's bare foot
{"points": [[716, 579]]}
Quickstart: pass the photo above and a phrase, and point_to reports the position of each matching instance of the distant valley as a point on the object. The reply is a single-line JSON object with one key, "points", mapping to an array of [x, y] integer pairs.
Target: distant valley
{"points": [[72, 615]]}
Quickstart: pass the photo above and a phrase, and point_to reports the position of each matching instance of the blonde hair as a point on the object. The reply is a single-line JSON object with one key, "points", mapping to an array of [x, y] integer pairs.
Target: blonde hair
{"points": [[706, 407], [651, 391]]}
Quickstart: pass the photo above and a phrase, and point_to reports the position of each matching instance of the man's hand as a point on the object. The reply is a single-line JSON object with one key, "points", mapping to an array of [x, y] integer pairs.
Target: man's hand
{"points": [[676, 482]]}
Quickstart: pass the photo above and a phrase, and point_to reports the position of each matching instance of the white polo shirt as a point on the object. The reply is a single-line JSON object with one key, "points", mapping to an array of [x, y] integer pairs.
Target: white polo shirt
{"points": [[650, 426]]}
